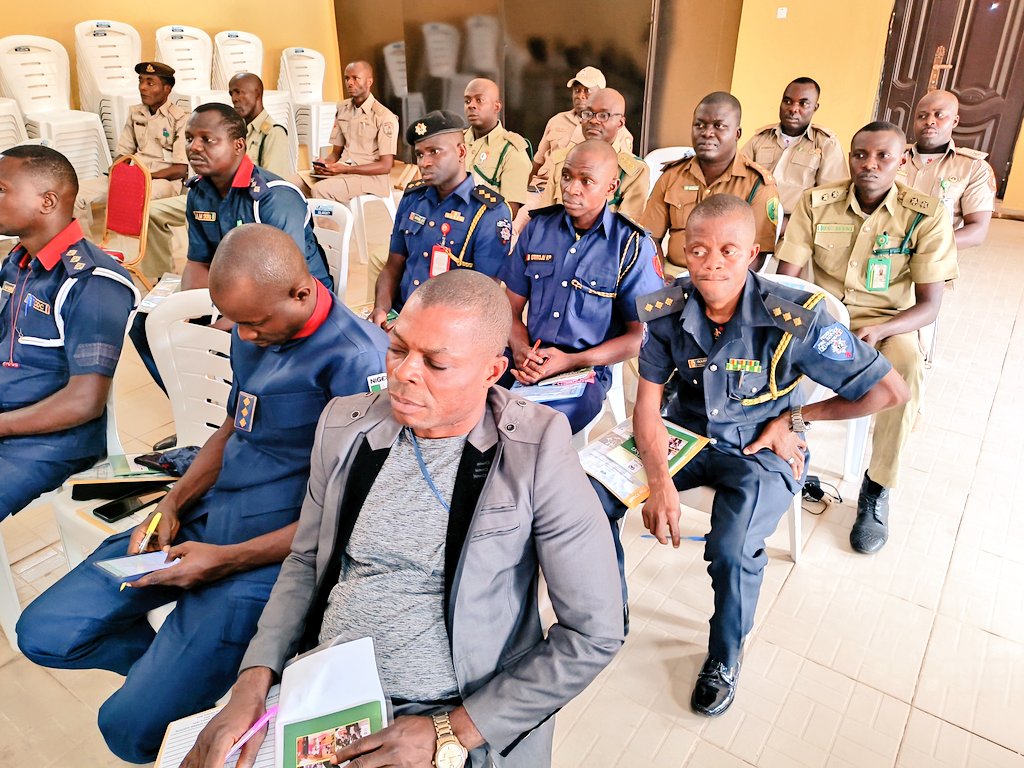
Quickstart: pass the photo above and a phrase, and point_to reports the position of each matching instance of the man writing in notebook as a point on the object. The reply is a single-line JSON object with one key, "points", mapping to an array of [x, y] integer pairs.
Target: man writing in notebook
{"points": [[430, 508]]}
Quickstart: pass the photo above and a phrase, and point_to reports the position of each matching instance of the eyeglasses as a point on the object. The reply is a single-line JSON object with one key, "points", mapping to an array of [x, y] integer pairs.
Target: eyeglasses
{"points": [[602, 117]]}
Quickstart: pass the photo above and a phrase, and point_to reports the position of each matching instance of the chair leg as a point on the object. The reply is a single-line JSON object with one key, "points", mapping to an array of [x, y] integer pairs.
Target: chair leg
{"points": [[360, 226], [10, 606], [856, 445], [796, 541]]}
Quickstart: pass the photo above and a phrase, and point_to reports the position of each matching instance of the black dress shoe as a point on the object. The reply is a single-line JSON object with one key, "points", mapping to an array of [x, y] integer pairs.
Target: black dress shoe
{"points": [[625, 618], [166, 444], [715, 688], [871, 529]]}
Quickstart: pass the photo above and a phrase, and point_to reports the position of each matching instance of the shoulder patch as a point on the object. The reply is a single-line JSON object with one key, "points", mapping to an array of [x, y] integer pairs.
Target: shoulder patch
{"points": [[517, 141], [266, 127], [631, 164], [788, 316], [828, 194], [835, 342], [667, 301], [974, 154], [918, 201], [191, 181], [487, 196]]}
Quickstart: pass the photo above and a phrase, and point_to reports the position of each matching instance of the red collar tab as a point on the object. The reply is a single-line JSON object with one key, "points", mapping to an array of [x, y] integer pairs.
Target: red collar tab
{"points": [[51, 253], [322, 309], [244, 173]]}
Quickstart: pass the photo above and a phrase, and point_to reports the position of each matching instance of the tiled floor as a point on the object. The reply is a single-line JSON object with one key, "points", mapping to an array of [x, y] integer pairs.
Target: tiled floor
{"points": [[911, 658]]}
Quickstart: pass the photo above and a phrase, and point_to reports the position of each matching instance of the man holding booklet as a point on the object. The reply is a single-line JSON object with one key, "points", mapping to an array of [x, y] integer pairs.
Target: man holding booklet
{"points": [[430, 508], [738, 346], [230, 519]]}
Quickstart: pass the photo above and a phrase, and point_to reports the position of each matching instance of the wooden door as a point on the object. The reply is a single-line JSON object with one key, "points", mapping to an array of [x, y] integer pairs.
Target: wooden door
{"points": [[970, 47]]}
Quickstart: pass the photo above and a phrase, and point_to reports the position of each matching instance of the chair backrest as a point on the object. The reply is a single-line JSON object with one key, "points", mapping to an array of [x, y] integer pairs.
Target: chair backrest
{"points": [[189, 51], [656, 158], [279, 106], [483, 42], [12, 125], [234, 52], [34, 71], [127, 197], [394, 68], [334, 240], [194, 363], [302, 75], [106, 53], [441, 48]]}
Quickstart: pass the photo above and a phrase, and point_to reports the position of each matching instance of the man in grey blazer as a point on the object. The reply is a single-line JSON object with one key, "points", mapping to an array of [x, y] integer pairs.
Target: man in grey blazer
{"points": [[429, 509]]}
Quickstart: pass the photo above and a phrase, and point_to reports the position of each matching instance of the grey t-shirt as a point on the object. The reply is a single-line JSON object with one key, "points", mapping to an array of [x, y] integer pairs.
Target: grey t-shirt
{"points": [[391, 585]]}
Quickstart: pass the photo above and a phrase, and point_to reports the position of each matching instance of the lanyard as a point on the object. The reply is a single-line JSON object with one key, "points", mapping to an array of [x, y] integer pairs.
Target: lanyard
{"points": [[424, 471]]}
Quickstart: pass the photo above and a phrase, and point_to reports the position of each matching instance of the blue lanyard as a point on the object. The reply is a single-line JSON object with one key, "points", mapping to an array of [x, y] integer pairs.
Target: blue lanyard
{"points": [[424, 471]]}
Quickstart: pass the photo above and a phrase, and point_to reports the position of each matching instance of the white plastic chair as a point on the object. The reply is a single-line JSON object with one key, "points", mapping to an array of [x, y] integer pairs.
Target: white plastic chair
{"points": [[483, 42], [12, 125], [106, 53], [233, 52], [335, 241], [302, 76], [189, 51], [396, 83], [614, 401], [441, 43], [358, 207], [34, 71], [656, 158]]}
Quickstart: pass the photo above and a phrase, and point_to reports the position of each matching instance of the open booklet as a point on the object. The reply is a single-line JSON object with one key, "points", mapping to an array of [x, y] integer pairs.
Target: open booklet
{"points": [[614, 461], [561, 386], [327, 699]]}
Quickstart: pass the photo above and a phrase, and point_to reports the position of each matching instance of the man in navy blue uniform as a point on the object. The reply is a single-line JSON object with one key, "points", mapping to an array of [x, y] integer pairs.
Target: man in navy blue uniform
{"points": [[581, 267], [64, 306], [739, 346], [444, 221], [232, 516], [227, 192]]}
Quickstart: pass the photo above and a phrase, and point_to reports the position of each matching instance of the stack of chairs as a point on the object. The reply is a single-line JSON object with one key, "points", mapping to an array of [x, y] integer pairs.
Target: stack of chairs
{"points": [[302, 76], [189, 51], [106, 53]]}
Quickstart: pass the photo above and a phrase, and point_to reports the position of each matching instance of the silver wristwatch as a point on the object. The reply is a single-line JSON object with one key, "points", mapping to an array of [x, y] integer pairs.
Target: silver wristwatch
{"points": [[796, 420]]}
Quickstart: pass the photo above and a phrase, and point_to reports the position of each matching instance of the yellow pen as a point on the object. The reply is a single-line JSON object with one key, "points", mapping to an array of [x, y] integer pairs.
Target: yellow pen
{"points": [[149, 532]]}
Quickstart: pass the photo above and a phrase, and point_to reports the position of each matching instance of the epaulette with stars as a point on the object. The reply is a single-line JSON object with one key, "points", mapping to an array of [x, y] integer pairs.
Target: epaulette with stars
{"points": [[412, 186], [667, 301], [191, 181], [788, 316], [487, 196], [547, 210], [258, 187], [77, 260], [631, 223]]}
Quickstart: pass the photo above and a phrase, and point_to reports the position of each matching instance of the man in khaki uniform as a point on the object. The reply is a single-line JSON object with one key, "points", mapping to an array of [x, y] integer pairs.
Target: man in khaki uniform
{"points": [[266, 145], [959, 176], [155, 133], [497, 158], [715, 169], [364, 143], [602, 120], [885, 250], [565, 130], [799, 155]]}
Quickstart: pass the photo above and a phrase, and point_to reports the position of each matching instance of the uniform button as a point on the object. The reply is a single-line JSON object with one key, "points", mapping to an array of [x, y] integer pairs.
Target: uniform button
{"points": [[712, 368], [510, 427], [424, 254], [555, 314], [430, 223], [853, 263], [520, 402], [695, 382], [536, 277], [866, 229], [714, 411], [686, 295], [415, 282], [713, 441], [565, 283], [593, 282], [572, 250]]}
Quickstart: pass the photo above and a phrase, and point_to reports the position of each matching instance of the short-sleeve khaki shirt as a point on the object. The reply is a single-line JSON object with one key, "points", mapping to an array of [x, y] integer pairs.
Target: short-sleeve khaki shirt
{"points": [[814, 159], [266, 144], [682, 186], [364, 133], [829, 227], [962, 180], [499, 160], [628, 199], [565, 130], [157, 139]]}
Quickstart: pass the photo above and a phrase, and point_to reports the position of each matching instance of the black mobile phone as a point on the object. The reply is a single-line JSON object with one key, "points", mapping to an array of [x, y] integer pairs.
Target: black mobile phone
{"points": [[129, 504]]}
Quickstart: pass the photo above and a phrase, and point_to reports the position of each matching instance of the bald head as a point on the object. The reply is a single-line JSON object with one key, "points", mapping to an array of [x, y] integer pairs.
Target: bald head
{"points": [[264, 257], [937, 114], [246, 92], [482, 102], [589, 176], [480, 299], [611, 105], [725, 207], [595, 153], [358, 80]]}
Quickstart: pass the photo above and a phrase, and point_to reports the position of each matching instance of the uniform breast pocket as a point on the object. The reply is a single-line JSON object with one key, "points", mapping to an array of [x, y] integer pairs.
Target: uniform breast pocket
{"points": [[680, 203], [495, 521], [538, 271], [764, 156], [832, 248], [288, 411], [808, 160], [744, 384]]}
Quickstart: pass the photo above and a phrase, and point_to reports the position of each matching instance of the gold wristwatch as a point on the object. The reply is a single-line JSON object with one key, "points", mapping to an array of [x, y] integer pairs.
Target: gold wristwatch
{"points": [[449, 752]]}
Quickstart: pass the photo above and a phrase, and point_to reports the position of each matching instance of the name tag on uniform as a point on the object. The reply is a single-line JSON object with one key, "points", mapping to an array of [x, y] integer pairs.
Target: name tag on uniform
{"points": [[205, 215], [455, 216], [691, 188], [845, 228], [742, 364], [39, 305], [697, 362], [245, 411], [440, 260], [8, 287], [415, 217], [378, 382], [539, 257]]}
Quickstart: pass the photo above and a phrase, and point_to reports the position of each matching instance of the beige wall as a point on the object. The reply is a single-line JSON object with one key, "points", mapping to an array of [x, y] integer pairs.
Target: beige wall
{"points": [[1014, 197], [842, 47], [307, 23]]}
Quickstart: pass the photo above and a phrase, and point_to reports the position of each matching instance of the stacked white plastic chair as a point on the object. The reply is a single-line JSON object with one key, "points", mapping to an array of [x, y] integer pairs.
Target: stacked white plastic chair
{"points": [[189, 51], [277, 105], [441, 43], [34, 71], [483, 46], [12, 125], [302, 76], [106, 53], [397, 83]]}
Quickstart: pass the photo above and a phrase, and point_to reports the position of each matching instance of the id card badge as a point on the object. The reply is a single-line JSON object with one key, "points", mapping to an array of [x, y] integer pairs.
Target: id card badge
{"points": [[440, 260], [879, 268]]}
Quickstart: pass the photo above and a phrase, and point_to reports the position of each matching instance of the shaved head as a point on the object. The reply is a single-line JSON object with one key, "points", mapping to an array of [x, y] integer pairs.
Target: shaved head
{"points": [[936, 117], [725, 207], [246, 92], [605, 101], [247, 79], [482, 101], [358, 79], [595, 153], [947, 99], [264, 257], [483, 85], [360, 66], [473, 294]]}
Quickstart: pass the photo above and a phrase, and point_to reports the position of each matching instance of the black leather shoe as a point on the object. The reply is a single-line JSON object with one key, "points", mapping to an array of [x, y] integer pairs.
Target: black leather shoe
{"points": [[871, 529], [166, 444], [625, 618], [715, 688]]}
